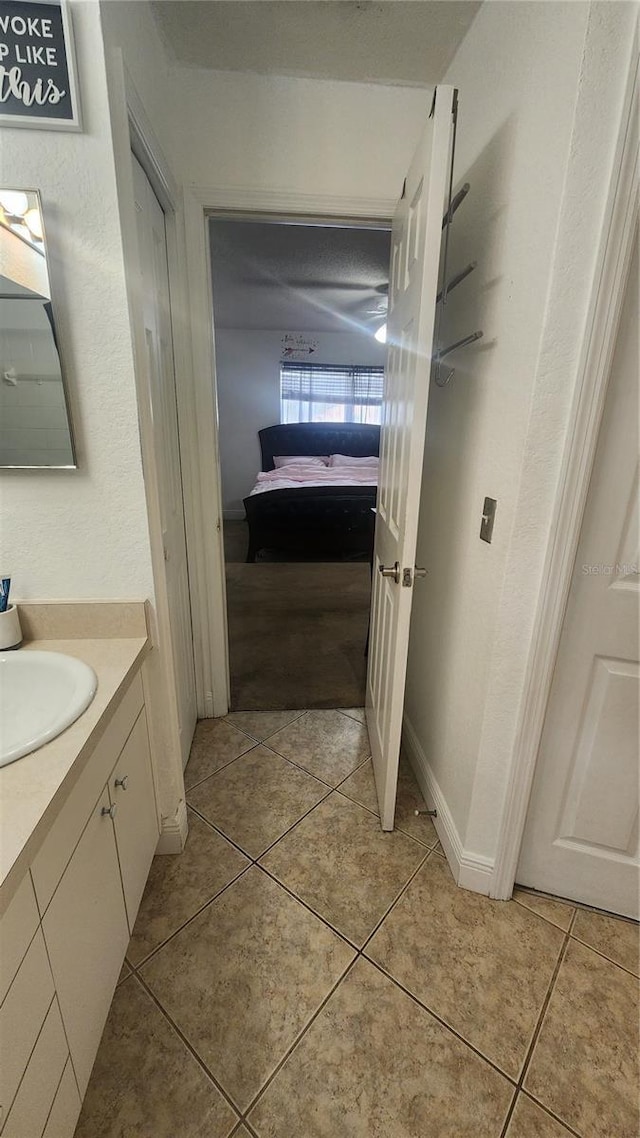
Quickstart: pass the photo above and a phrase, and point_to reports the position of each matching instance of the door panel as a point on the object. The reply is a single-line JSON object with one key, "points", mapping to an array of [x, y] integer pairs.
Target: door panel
{"points": [[581, 836], [157, 327], [413, 285]]}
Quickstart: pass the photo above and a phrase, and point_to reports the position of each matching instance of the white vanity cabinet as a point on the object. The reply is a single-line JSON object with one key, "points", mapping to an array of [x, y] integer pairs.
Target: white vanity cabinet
{"points": [[65, 932]]}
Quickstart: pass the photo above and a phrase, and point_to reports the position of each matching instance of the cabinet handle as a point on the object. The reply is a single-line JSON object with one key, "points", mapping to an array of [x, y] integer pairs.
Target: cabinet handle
{"points": [[123, 782], [110, 810]]}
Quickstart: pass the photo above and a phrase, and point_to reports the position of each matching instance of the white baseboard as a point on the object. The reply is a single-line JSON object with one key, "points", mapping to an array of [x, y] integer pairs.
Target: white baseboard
{"points": [[173, 832], [470, 870]]}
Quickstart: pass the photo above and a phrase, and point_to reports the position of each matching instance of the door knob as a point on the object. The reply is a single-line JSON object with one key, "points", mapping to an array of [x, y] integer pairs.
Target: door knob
{"points": [[392, 571], [420, 572]]}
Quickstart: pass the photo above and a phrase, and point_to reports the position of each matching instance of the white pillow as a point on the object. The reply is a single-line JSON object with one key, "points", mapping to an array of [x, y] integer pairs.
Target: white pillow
{"points": [[349, 460], [300, 460]]}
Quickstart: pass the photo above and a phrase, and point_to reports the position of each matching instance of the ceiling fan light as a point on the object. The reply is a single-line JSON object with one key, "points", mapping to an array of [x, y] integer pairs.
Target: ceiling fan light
{"points": [[381, 334]]}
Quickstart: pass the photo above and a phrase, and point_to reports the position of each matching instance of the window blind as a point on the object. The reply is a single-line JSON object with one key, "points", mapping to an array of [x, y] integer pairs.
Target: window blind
{"points": [[330, 393]]}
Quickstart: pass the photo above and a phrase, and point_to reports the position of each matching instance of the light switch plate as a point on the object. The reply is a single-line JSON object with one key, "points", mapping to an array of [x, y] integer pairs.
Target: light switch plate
{"points": [[488, 518]]}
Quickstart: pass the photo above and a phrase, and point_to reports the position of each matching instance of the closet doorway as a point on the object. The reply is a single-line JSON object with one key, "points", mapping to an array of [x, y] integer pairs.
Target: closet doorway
{"points": [[299, 376]]}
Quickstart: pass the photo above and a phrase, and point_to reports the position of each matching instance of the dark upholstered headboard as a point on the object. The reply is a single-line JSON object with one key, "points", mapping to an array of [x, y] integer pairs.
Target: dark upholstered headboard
{"points": [[356, 439]]}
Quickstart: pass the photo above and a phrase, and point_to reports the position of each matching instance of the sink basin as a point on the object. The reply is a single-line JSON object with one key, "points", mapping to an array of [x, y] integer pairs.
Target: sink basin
{"points": [[41, 693]]}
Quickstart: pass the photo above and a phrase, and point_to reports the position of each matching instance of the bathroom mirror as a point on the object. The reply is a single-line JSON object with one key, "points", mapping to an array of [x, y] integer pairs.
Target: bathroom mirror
{"points": [[35, 427]]}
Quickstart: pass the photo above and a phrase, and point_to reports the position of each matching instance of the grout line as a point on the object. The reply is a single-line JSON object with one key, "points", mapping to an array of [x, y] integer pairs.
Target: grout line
{"points": [[375, 813], [580, 905], [547, 1110], [441, 1021], [188, 789], [509, 1114], [299, 1037], [188, 1045], [348, 776], [353, 718], [243, 731], [293, 825], [308, 907], [221, 833], [154, 951], [517, 901], [317, 777], [545, 1004], [604, 956], [400, 894]]}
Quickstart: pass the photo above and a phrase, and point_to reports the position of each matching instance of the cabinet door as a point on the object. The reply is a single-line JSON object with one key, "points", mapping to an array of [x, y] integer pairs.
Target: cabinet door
{"points": [[136, 822], [85, 928]]}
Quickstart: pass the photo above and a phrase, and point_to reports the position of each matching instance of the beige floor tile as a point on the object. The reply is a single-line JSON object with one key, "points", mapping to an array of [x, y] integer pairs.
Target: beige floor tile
{"points": [[361, 787], [376, 1065], [257, 798], [619, 940], [340, 863], [145, 1082], [438, 849], [215, 744], [124, 972], [261, 724], [557, 912], [244, 977], [584, 1065], [355, 713], [326, 743], [180, 885], [484, 966], [530, 1121]]}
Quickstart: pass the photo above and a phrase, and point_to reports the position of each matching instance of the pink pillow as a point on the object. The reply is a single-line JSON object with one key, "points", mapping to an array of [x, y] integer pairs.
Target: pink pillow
{"points": [[349, 460], [300, 460]]}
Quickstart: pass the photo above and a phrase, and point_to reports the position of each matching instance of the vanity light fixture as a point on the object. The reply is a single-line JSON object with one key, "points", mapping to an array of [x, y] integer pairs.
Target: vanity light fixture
{"points": [[34, 222], [14, 202]]}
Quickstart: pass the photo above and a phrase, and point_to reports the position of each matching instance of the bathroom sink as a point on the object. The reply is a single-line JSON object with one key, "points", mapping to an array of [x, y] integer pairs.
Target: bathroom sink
{"points": [[41, 693]]}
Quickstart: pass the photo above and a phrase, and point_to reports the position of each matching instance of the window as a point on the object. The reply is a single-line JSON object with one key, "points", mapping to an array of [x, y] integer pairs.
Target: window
{"points": [[318, 393]]}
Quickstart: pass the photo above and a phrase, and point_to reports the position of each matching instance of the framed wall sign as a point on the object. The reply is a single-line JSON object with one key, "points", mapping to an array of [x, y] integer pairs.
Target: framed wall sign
{"points": [[38, 84]]}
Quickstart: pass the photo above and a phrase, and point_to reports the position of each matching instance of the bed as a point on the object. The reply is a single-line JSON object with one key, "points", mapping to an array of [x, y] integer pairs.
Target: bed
{"points": [[334, 521]]}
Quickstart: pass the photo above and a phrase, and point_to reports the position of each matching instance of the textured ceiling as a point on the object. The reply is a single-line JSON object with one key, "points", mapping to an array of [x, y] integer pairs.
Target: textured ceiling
{"points": [[395, 41], [298, 277]]}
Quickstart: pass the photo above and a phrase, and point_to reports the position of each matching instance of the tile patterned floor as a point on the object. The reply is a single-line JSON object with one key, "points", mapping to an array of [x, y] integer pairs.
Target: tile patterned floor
{"points": [[298, 972]]}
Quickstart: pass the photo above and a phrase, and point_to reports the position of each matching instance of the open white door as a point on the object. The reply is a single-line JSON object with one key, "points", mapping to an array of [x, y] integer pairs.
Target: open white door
{"points": [[413, 286], [158, 337]]}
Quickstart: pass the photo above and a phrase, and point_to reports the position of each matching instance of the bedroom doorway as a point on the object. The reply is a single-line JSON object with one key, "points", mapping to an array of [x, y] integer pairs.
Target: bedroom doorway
{"points": [[299, 375]]}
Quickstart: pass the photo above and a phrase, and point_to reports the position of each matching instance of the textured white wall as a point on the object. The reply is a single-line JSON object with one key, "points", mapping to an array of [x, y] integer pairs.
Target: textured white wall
{"points": [[248, 376], [303, 135], [81, 534], [536, 144]]}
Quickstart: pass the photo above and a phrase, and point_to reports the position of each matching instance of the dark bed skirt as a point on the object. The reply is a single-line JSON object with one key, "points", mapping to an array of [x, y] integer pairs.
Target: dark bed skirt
{"points": [[336, 521]]}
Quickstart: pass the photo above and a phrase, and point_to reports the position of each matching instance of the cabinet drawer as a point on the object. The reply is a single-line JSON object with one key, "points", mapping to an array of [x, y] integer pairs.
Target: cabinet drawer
{"points": [[17, 928], [52, 857], [66, 1107], [21, 1017], [136, 823], [30, 1110], [86, 932]]}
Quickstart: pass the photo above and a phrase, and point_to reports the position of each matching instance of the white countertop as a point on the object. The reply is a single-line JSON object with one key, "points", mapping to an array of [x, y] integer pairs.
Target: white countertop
{"points": [[33, 788]]}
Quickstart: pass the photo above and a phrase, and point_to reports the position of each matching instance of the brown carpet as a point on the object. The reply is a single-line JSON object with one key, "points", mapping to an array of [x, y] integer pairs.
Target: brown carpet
{"points": [[297, 633]]}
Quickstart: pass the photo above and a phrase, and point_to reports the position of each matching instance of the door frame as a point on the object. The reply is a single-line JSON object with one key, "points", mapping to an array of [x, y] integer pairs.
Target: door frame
{"points": [[614, 255], [208, 602]]}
